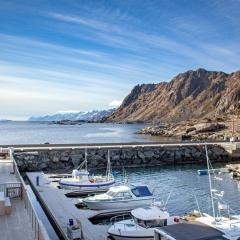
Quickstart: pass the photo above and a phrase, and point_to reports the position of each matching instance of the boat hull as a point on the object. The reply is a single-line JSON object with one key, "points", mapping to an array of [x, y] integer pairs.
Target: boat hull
{"points": [[118, 237], [86, 186], [124, 204], [134, 233]]}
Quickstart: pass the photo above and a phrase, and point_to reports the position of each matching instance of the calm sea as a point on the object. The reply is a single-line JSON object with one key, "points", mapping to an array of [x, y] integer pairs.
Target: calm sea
{"points": [[184, 183], [41, 132]]}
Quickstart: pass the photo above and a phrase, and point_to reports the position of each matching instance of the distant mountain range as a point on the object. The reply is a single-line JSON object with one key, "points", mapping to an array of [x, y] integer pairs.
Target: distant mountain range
{"points": [[5, 120], [94, 116], [190, 95]]}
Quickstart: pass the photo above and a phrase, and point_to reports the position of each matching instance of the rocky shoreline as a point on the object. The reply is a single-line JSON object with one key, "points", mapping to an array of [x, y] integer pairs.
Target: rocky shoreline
{"points": [[191, 131], [66, 160]]}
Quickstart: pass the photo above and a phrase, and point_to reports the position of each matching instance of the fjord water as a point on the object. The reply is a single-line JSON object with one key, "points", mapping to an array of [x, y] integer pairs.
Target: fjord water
{"points": [[42, 132], [184, 182]]}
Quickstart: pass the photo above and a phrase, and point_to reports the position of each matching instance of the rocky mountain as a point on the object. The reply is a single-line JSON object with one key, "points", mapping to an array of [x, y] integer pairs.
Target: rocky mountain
{"points": [[190, 95], [94, 115]]}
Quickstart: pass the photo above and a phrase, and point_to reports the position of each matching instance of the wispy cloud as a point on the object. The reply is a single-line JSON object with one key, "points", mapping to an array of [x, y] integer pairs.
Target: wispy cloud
{"points": [[139, 41], [115, 103], [82, 56], [82, 21]]}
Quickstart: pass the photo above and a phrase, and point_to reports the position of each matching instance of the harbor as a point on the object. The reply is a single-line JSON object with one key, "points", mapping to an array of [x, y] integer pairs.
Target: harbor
{"points": [[94, 224], [120, 120]]}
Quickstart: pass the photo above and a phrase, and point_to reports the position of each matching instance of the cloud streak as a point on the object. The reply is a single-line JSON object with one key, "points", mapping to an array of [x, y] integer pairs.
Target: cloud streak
{"points": [[88, 56]]}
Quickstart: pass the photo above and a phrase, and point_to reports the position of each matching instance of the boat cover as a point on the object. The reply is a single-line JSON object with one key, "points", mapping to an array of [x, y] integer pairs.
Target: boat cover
{"points": [[193, 231], [141, 191]]}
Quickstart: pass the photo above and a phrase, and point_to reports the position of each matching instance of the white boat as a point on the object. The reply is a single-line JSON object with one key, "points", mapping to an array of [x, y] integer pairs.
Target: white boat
{"points": [[188, 231], [205, 226], [81, 179], [121, 197], [141, 225], [229, 226]]}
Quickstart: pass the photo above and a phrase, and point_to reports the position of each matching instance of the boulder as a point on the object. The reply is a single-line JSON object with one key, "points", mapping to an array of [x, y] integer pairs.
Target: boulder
{"points": [[76, 159], [55, 159], [190, 129], [45, 159], [209, 127], [64, 157], [115, 158], [149, 154], [141, 155], [43, 166]]}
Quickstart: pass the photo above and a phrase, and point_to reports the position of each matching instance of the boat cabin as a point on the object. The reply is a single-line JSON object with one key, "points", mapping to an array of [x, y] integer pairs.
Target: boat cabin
{"points": [[125, 192], [80, 174], [188, 231], [149, 217]]}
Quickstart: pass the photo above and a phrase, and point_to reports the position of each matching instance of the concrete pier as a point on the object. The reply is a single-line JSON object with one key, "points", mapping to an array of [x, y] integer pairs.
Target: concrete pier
{"points": [[60, 209]]}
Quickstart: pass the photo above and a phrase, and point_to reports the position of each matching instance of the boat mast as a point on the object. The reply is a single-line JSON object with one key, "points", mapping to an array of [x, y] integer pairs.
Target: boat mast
{"points": [[85, 158], [109, 169], [210, 182]]}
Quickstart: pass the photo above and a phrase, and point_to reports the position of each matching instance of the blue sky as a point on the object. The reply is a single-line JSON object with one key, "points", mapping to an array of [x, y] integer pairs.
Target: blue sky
{"points": [[80, 55]]}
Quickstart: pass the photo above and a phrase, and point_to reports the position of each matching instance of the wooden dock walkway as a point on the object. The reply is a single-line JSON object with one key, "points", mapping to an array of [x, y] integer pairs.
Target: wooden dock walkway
{"points": [[61, 209], [17, 225]]}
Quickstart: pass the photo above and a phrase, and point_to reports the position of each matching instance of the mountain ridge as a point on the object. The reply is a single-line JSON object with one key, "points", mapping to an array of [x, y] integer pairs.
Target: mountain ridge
{"points": [[94, 115], [189, 95]]}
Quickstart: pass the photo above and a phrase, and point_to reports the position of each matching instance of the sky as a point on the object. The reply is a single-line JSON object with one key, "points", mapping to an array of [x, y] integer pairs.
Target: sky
{"points": [[79, 55]]}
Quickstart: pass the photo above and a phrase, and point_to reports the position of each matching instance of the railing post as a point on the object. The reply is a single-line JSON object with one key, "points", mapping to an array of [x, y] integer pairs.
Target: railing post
{"points": [[38, 231]]}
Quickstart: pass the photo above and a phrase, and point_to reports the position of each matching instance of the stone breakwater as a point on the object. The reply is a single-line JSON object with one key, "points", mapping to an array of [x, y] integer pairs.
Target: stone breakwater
{"points": [[55, 160]]}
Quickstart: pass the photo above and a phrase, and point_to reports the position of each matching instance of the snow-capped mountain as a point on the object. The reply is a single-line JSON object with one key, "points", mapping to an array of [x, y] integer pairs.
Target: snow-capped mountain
{"points": [[93, 115]]}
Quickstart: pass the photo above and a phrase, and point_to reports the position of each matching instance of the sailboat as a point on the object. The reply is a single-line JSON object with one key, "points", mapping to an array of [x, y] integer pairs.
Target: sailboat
{"points": [[81, 179], [203, 225]]}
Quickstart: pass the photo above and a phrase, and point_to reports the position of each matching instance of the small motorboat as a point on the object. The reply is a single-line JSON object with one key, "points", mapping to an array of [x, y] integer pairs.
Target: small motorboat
{"points": [[121, 197], [142, 223], [82, 181]]}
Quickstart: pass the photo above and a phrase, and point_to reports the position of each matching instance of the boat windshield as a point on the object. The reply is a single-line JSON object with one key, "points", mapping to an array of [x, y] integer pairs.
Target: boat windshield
{"points": [[111, 193], [151, 223], [141, 191]]}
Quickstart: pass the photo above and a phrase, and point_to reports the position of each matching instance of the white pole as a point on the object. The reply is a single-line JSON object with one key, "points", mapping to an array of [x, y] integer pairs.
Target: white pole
{"points": [[197, 202], [210, 183], [86, 158], [168, 198], [109, 169]]}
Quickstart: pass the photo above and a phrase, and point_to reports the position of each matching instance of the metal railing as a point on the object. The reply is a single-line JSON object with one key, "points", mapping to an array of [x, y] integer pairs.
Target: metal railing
{"points": [[11, 189], [235, 225], [119, 218], [38, 228]]}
